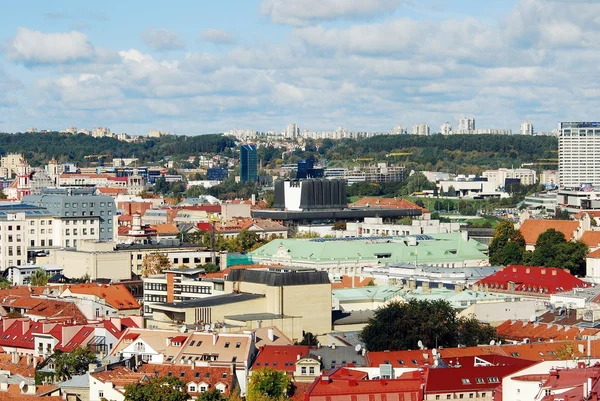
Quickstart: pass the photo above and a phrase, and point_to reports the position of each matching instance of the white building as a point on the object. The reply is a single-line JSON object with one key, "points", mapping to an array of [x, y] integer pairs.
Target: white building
{"points": [[157, 133], [420, 129], [526, 128], [69, 130], [101, 132], [398, 130], [21, 275], [465, 125], [579, 154], [498, 177], [292, 131], [446, 129], [374, 227]]}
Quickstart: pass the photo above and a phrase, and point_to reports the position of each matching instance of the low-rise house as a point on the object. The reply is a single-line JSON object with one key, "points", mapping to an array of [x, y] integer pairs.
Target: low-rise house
{"points": [[21, 275], [116, 298]]}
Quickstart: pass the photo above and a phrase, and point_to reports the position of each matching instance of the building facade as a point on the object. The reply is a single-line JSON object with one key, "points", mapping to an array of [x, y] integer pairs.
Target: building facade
{"points": [[248, 163], [579, 154]]}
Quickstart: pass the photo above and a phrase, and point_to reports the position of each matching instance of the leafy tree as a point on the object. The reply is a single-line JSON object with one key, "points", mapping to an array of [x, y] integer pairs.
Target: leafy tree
{"points": [[155, 263], [214, 394], [39, 278], [75, 362], [561, 214], [418, 182], [339, 225], [4, 283], [507, 246], [552, 250], [472, 332], [268, 384], [308, 338], [247, 239], [210, 267], [400, 326], [420, 203], [162, 388]]}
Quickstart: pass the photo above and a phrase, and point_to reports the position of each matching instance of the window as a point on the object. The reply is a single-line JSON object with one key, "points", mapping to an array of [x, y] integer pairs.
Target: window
{"points": [[226, 345], [67, 243], [43, 242], [49, 242], [202, 389], [493, 380], [100, 393], [449, 396], [303, 370], [311, 370], [466, 381], [192, 388], [470, 395], [479, 380], [238, 345], [437, 397], [483, 395], [461, 396]]}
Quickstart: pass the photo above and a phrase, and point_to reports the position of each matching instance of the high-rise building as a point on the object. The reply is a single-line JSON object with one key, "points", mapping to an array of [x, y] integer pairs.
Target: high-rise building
{"points": [[292, 131], [466, 125], [248, 163], [420, 129], [526, 128], [579, 154], [446, 129]]}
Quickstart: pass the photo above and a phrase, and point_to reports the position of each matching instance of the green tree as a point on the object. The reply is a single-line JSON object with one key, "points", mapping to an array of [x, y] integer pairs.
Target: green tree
{"points": [[268, 384], [39, 278], [418, 182], [308, 338], [339, 225], [552, 250], [507, 246], [4, 283], [472, 332], [214, 394], [561, 214], [210, 267], [246, 240], [75, 362], [155, 263], [162, 388], [400, 326]]}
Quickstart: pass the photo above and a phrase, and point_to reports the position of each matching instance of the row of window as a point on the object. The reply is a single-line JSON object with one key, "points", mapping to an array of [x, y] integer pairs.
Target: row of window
{"points": [[91, 213], [42, 242], [462, 396], [84, 231], [85, 204]]}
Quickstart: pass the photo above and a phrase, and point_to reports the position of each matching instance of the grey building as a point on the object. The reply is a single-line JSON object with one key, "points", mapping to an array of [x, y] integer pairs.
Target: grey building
{"points": [[78, 203]]}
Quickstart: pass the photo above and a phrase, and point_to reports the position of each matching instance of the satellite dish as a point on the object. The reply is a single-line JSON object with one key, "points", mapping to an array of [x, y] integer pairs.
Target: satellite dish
{"points": [[357, 348], [493, 342], [22, 384], [420, 344], [434, 352]]}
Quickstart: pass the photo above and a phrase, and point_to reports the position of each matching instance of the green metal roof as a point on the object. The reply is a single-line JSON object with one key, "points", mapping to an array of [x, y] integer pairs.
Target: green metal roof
{"points": [[441, 248]]}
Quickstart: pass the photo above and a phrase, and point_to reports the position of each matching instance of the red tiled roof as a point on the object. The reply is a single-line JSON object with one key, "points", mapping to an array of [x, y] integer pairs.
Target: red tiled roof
{"points": [[532, 229], [409, 384], [53, 309], [165, 229], [531, 279], [519, 331], [280, 357], [83, 336], [111, 191], [387, 203], [592, 213], [188, 374], [595, 254], [116, 295], [591, 238]]}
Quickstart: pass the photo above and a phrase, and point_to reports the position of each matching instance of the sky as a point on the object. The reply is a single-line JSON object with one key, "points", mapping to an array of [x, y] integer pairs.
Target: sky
{"points": [[197, 67]]}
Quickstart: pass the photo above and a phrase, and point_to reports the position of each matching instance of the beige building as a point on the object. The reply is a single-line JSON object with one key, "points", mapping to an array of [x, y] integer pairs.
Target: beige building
{"points": [[293, 300]]}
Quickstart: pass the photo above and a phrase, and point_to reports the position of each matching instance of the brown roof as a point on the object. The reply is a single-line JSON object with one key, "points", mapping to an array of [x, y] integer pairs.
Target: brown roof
{"points": [[14, 393], [351, 282], [53, 309], [532, 229], [165, 229], [387, 203], [591, 238], [116, 295]]}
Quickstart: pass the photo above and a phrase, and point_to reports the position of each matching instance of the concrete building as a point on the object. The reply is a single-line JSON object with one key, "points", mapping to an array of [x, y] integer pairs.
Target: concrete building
{"points": [[446, 129], [101, 132], [465, 125], [498, 177], [526, 128], [579, 154], [21, 275], [549, 178], [374, 227], [420, 129], [79, 205], [291, 131]]}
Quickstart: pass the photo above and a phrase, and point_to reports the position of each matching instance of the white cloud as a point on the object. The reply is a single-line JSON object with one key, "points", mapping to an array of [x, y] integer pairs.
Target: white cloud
{"points": [[162, 39], [302, 12], [34, 47], [217, 36]]}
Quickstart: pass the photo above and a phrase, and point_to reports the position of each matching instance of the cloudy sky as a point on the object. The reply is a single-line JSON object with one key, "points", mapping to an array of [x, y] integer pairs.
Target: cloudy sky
{"points": [[194, 67]]}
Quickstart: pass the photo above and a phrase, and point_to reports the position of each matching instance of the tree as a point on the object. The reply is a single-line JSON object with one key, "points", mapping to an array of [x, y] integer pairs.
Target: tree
{"points": [[561, 214], [308, 338], [268, 384], [507, 246], [471, 332], [552, 250], [210, 267], [246, 239], [400, 326], [75, 362], [339, 225], [155, 263], [162, 388], [214, 394], [39, 278], [418, 182], [4, 283]]}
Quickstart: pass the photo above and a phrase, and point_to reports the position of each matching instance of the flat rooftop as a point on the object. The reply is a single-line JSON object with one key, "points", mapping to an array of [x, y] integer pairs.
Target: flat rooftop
{"points": [[217, 300]]}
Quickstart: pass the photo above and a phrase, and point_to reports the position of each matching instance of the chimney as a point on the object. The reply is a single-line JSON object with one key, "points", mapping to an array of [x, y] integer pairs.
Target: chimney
{"points": [[136, 222], [271, 334], [3, 386], [15, 358], [28, 359], [215, 337], [324, 379], [168, 341], [253, 199], [298, 357]]}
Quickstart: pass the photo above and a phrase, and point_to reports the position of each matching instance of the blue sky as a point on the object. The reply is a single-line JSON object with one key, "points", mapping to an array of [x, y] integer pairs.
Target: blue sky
{"points": [[201, 67]]}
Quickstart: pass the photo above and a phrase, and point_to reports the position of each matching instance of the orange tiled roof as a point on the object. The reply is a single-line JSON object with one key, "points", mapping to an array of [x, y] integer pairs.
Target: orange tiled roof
{"points": [[119, 376], [387, 203], [591, 238], [165, 229], [347, 282], [116, 295], [592, 213], [53, 309], [14, 393], [532, 229], [519, 331], [595, 254], [111, 191]]}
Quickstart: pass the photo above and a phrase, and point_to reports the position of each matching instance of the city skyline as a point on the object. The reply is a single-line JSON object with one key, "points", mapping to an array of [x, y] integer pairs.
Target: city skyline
{"points": [[197, 69]]}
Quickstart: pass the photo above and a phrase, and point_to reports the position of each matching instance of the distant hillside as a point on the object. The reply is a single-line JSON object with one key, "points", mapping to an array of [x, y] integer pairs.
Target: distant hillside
{"points": [[39, 148], [453, 153]]}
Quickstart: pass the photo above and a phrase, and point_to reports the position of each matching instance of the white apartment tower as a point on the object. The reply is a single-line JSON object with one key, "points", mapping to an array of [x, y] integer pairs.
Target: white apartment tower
{"points": [[578, 154], [420, 129], [446, 129], [292, 131], [526, 128], [466, 125]]}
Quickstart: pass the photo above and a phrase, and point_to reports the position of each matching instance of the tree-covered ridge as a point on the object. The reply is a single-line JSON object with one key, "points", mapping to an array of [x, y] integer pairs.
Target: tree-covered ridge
{"points": [[466, 154], [39, 148]]}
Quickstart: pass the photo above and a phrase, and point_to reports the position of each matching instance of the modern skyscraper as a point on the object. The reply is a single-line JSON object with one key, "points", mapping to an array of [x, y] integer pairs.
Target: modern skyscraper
{"points": [[526, 128], [248, 163], [578, 154]]}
